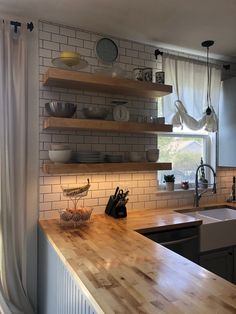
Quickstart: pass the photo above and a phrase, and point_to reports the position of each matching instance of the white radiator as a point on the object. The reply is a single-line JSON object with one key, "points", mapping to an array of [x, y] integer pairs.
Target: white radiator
{"points": [[58, 293]]}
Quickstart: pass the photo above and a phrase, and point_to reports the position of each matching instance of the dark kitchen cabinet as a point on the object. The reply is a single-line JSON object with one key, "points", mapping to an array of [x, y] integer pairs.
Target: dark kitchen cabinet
{"points": [[183, 241], [234, 265], [220, 262]]}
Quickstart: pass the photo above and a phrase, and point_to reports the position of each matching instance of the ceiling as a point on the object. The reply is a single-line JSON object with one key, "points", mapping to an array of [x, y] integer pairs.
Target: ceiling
{"points": [[174, 24]]}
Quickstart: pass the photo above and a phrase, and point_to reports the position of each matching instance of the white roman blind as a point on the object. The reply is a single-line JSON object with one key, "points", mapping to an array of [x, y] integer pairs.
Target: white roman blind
{"points": [[188, 102]]}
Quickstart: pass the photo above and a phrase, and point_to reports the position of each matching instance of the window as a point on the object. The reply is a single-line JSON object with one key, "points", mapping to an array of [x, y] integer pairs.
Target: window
{"points": [[184, 149], [186, 106]]}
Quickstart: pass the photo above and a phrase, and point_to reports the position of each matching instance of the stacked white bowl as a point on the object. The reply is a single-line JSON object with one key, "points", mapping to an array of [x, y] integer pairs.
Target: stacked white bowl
{"points": [[59, 153]]}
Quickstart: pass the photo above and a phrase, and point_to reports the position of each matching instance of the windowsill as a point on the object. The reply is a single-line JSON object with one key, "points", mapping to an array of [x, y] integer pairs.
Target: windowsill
{"points": [[177, 190]]}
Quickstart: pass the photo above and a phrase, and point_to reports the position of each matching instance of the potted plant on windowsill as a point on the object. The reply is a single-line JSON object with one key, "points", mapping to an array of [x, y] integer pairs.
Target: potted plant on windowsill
{"points": [[169, 179], [203, 182]]}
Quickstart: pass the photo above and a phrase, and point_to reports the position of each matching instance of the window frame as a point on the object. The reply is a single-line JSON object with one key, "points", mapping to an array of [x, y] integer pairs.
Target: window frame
{"points": [[208, 146]]}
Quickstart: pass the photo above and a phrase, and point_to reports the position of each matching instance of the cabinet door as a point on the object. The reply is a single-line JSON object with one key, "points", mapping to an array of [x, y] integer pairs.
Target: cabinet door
{"points": [[183, 241], [219, 262]]}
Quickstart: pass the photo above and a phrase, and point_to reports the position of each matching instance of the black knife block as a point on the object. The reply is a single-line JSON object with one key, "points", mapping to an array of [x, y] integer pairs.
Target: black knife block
{"points": [[115, 211]]}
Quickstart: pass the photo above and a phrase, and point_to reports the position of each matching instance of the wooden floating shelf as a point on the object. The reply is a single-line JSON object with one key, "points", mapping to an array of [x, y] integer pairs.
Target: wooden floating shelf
{"points": [[103, 125], [52, 168], [101, 83]]}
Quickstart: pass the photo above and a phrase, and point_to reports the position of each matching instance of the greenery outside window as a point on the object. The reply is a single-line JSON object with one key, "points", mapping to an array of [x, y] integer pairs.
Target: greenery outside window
{"points": [[185, 149]]}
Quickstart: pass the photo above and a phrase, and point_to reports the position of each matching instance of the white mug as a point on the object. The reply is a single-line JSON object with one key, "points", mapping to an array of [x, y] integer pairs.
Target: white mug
{"points": [[138, 74]]}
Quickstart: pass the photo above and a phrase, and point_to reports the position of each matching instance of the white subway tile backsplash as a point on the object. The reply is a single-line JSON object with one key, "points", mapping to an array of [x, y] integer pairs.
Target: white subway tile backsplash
{"points": [[51, 197], [52, 180], [75, 42], [51, 28], [142, 185], [83, 35], [45, 35], [66, 31], [59, 39], [45, 189], [89, 44], [68, 179], [45, 206], [138, 62], [59, 205], [131, 53], [125, 59], [50, 45], [84, 52], [59, 138], [64, 47], [125, 44]]}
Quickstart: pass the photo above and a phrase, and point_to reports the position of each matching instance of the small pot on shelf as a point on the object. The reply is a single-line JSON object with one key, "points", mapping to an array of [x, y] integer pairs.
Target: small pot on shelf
{"points": [[170, 182], [170, 186], [185, 185]]}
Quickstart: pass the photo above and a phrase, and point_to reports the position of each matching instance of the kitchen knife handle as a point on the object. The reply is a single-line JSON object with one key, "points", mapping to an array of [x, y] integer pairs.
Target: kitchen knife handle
{"points": [[117, 189]]}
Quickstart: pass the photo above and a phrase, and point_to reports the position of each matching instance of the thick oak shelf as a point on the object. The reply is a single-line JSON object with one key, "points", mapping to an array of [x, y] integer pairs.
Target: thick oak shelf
{"points": [[103, 125], [101, 83], [52, 168]]}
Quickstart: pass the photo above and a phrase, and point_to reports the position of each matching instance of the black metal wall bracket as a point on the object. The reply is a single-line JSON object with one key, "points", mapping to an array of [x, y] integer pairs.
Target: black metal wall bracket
{"points": [[30, 26], [157, 53]]}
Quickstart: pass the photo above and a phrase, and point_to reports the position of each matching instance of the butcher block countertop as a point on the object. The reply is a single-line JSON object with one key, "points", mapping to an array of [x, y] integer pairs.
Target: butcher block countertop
{"points": [[124, 272]]}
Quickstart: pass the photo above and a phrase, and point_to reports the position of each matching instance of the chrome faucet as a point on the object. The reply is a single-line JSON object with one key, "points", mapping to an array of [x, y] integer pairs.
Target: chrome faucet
{"points": [[198, 195]]}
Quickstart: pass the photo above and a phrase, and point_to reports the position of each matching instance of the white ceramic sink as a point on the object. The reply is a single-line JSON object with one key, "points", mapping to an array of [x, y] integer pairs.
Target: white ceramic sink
{"points": [[220, 213], [205, 219], [218, 227]]}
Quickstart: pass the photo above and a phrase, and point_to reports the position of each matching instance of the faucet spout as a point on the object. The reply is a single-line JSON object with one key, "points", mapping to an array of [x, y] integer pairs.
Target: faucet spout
{"points": [[197, 194]]}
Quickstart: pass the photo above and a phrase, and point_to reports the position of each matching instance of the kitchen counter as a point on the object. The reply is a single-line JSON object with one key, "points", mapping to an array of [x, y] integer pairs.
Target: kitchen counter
{"points": [[124, 272]]}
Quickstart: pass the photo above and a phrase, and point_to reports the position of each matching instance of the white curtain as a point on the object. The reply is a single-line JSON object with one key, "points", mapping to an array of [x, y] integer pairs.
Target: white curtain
{"points": [[188, 102], [13, 169]]}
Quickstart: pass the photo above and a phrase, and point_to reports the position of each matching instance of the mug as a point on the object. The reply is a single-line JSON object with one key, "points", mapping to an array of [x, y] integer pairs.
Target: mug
{"points": [[147, 74], [136, 156], [160, 77], [138, 74]]}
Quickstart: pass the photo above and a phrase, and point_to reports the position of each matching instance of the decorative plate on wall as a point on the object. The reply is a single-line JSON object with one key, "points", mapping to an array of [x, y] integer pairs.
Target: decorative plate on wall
{"points": [[107, 50]]}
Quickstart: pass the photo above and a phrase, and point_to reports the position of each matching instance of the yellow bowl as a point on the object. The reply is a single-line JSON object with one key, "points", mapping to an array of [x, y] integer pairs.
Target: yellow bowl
{"points": [[70, 58]]}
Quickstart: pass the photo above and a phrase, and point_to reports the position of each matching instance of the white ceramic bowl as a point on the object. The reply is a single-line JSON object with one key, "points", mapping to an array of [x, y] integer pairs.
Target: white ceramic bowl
{"points": [[95, 112], [152, 155], [59, 156], [135, 156], [60, 147]]}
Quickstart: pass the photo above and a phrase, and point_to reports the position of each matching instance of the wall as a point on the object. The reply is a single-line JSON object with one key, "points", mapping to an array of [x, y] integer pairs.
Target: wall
{"points": [[142, 185]]}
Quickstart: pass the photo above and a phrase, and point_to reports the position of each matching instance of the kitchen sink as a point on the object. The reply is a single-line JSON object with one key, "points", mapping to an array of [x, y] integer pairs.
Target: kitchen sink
{"points": [[198, 215], [220, 213], [218, 227]]}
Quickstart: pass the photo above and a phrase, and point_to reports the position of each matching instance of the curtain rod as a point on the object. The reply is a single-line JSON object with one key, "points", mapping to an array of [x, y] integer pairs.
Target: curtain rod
{"points": [[16, 24], [158, 52]]}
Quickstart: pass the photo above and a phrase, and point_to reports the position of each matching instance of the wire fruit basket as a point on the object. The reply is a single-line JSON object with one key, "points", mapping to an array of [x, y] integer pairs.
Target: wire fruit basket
{"points": [[75, 216]]}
